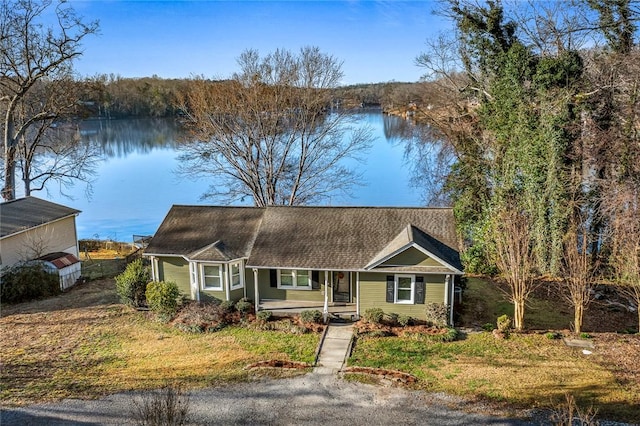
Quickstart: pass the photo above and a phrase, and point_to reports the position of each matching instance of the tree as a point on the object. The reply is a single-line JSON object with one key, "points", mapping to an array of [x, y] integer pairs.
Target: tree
{"points": [[579, 268], [33, 56], [514, 255], [268, 134]]}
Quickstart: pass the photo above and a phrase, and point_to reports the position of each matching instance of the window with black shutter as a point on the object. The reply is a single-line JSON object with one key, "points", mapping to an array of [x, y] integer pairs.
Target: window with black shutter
{"points": [[315, 280], [420, 290], [390, 288], [273, 278]]}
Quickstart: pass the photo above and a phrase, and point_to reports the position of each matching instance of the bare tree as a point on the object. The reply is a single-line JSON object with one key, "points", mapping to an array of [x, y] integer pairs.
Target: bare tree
{"points": [[623, 211], [268, 133], [31, 54], [514, 256], [579, 269]]}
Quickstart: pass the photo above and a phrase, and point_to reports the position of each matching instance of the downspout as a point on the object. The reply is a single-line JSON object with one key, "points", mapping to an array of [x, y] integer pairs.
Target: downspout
{"points": [[256, 294], [325, 311]]}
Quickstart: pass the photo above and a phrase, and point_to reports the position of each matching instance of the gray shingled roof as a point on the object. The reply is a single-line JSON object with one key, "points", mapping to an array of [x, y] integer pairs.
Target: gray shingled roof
{"points": [[207, 232], [28, 212], [347, 238], [340, 238]]}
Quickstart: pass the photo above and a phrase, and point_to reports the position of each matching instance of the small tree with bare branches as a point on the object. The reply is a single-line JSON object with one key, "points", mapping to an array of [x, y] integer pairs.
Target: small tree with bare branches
{"points": [[514, 256], [578, 269]]}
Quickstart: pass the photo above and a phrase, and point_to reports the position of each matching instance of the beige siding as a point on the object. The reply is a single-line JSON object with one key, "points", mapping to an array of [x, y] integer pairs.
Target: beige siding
{"points": [[35, 242], [175, 269], [411, 257], [373, 287]]}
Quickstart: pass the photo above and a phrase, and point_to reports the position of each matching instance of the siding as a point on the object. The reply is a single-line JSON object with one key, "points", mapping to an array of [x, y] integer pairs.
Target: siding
{"points": [[373, 288], [56, 236], [268, 292], [175, 269], [411, 257]]}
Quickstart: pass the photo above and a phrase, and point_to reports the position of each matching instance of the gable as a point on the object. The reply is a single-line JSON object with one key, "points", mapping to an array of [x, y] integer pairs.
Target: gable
{"points": [[410, 257]]}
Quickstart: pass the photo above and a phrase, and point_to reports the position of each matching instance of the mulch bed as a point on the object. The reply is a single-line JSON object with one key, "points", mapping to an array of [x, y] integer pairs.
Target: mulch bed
{"points": [[277, 363], [366, 328], [393, 375]]}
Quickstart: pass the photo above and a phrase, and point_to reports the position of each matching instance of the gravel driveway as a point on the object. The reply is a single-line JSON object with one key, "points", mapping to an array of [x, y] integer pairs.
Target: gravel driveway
{"points": [[304, 400]]}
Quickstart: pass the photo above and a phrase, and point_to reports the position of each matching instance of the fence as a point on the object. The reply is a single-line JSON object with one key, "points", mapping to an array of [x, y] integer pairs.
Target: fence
{"points": [[102, 268]]}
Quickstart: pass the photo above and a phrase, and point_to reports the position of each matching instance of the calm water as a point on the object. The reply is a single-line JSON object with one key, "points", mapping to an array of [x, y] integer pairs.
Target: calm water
{"points": [[136, 184]]}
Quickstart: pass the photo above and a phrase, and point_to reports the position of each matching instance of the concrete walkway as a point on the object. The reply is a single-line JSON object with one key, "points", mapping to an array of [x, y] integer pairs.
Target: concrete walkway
{"points": [[335, 347]]}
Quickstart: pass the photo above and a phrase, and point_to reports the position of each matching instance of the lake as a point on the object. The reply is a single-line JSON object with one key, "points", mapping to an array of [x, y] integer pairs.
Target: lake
{"points": [[136, 184]]}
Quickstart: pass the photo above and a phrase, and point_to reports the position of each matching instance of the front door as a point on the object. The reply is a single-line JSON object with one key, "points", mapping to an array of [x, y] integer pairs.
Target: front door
{"points": [[341, 287]]}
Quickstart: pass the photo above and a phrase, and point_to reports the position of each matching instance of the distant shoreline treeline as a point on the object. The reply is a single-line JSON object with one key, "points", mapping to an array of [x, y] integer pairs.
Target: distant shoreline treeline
{"points": [[118, 97]]}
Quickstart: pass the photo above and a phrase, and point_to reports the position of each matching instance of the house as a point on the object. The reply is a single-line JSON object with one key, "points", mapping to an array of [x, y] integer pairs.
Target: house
{"points": [[35, 229], [396, 259]]}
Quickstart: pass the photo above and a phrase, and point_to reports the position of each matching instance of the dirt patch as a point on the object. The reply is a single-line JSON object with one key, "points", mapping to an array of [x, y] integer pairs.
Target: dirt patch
{"points": [[92, 293]]}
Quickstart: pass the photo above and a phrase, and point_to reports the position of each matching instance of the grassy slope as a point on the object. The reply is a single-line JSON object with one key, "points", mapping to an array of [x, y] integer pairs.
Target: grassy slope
{"points": [[85, 352], [528, 370]]}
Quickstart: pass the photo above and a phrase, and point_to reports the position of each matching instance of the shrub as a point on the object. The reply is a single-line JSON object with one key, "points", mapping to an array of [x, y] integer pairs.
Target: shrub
{"points": [[404, 320], [392, 318], [198, 317], [488, 327], [373, 315], [131, 285], [167, 406], [244, 306], [28, 282], [162, 297], [552, 335], [228, 306], [437, 314], [585, 336], [311, 316], [504, 325], [264, 316]]}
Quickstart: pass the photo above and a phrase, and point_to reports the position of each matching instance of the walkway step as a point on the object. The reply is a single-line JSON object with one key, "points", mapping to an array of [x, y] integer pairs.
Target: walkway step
{"points": [[335, 348]]}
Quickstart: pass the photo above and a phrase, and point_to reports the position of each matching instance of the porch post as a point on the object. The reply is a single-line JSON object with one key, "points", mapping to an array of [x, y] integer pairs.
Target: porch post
{"points": [[325, 311], [256, 294], [449, 295], [358, 294]]}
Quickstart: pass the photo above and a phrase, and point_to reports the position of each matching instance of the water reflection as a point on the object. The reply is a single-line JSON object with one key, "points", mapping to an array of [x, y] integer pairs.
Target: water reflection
{"points": [[428, 156], [120, 138]]}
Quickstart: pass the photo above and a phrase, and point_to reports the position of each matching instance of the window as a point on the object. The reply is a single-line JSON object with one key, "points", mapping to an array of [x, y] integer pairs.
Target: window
{"points": [[237, 280], [212, 277], [297, 279], [404, 288]]}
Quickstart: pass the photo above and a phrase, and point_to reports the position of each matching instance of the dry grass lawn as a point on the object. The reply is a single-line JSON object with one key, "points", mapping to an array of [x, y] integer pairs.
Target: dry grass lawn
{"points": [[83, 344]]}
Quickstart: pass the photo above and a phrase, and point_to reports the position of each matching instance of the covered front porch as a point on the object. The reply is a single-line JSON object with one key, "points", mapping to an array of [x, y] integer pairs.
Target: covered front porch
{"points": [[292, 307]]}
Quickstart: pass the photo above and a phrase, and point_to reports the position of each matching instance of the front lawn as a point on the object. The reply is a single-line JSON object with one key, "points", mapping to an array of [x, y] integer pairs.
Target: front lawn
{"points": [[527, 370], [60, 350]]}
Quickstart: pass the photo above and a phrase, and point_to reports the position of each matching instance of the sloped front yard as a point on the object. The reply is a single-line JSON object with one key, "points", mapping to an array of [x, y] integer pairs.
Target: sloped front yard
{"points": [[84, 345]]}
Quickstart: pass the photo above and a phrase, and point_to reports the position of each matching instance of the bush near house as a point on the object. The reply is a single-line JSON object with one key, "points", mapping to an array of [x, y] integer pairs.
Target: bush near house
{"points": [[162, 297], [131, 285], [27, 282]]}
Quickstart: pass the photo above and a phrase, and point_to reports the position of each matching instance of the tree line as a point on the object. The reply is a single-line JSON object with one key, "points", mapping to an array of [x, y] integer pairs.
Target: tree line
{"points": [[537, 108]]}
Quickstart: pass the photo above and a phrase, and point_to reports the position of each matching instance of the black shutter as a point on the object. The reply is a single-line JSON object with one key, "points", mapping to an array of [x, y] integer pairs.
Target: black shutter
{"points": [[315, 280], [419, 290], [273, 278], [390, 289]]}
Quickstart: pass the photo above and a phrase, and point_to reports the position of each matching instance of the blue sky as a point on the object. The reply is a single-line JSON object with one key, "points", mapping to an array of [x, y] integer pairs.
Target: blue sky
{"points": [[377, 41]]}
